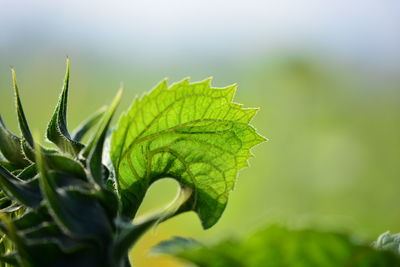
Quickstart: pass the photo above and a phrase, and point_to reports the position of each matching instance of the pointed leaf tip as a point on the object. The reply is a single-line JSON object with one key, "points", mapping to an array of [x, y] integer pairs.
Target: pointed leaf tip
{"points": [[94, 150], [104, 125], [22, 122], [57, 130]]}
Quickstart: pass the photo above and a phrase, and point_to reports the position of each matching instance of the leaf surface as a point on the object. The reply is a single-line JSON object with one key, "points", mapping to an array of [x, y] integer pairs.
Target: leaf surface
{"points": [[190, 132]]}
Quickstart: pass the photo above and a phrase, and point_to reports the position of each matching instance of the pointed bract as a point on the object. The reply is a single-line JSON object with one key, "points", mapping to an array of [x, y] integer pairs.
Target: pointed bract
{"points": [[22, 122], [57, 130]]}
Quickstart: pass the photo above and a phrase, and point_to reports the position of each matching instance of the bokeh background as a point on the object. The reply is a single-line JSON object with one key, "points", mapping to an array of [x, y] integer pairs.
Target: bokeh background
{"points": [[324, 73]]}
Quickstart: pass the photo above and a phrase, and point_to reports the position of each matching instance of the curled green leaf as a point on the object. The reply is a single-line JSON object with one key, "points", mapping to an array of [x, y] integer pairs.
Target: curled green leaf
{"points": [[191, 132]]}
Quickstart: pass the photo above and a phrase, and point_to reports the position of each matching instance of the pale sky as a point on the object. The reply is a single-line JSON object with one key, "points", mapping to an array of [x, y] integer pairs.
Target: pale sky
{"points": [[359, 28]]}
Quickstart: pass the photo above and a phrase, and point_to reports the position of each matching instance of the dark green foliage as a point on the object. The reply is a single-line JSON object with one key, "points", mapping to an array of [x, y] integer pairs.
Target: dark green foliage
{"points": [[64, 207], [57, 209], [10, 145]]}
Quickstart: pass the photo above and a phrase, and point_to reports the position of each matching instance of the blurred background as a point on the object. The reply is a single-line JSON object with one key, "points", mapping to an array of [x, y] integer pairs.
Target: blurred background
{"points": [[324, 73]]}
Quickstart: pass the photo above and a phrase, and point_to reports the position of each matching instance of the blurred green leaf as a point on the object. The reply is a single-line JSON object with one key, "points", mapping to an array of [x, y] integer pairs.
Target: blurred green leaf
{"points": [[278, 246], [176, 245]]}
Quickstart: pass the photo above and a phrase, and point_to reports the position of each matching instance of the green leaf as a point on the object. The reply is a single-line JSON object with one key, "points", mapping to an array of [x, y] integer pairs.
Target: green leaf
{"points": [[88, 124], [278, 246], [176, 245], [28, 172], [128, 235], [32, 218], [26, 193], [10, 259], [10, 146], [22, 122], [94, 154], [66, 165], [57, 130], [67, 203], [190, 132], [94, 150]]}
